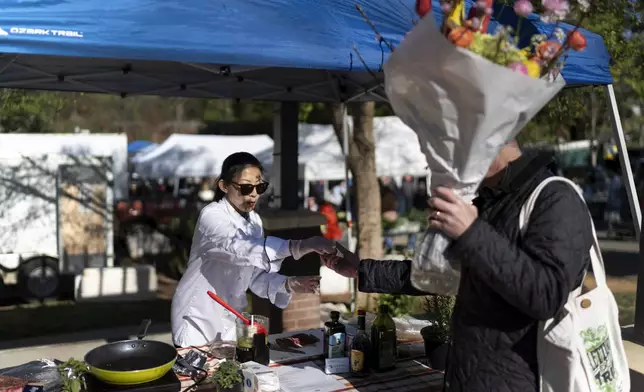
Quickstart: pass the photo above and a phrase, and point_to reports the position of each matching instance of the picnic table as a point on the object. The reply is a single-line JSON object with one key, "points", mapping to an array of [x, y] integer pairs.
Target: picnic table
{"points": [[410, 375]]}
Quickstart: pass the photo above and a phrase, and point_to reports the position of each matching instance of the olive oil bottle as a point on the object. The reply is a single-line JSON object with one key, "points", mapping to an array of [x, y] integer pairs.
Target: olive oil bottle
{"points": [[335, 337], [383, 341], [360, 351]]}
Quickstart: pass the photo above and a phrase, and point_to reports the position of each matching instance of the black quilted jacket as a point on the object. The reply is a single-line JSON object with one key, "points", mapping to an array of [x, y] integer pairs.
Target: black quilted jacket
{"points": [[508, 283]]}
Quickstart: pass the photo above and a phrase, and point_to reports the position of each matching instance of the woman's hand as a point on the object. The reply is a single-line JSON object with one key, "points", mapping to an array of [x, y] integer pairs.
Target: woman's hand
{"points": [[303, 284], [318, 244], [450, 213]]}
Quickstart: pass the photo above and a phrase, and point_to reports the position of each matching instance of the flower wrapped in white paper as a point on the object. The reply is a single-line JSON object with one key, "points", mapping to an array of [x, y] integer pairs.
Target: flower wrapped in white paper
{"points": [[464, 108]]}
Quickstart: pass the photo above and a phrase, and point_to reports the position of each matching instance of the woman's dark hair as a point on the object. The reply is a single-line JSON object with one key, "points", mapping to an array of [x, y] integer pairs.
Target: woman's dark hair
{"points": [[232, 167]]}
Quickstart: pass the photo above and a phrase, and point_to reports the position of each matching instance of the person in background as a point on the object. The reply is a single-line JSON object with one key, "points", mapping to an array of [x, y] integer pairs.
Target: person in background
{"points": [[408, 190], [617, 200], [389, 210], [510, 281], [337, 194], [332, 230], [311, 204], [388, 184], [317, 188], [420, 195], [206, 195], [230, 255]]}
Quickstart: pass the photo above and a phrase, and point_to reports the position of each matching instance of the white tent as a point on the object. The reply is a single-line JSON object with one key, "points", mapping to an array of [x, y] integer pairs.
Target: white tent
{"points": [[184, 155], [74, 145], [397, 151]]}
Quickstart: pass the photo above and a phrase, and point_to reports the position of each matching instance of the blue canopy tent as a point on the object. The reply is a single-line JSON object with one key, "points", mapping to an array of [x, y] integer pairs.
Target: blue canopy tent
{"points": [[271, 50], [136, 146]]}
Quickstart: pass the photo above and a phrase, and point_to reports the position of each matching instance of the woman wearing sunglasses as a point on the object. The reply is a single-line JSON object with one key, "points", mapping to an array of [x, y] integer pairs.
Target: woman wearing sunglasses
{"points": [[230, 255]]}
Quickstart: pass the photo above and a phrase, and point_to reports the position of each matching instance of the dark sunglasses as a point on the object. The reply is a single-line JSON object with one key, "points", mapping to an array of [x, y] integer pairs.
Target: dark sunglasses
{"points": [[247, 189]]}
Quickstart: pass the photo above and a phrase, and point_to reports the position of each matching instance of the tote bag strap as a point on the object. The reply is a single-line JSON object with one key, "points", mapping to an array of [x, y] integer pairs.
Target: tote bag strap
{"points": [[596, 259]]}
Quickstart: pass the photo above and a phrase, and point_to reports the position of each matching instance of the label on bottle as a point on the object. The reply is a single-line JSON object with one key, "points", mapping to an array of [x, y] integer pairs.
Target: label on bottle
{"points": [[387, 349], [337, 344], [357, 361]]}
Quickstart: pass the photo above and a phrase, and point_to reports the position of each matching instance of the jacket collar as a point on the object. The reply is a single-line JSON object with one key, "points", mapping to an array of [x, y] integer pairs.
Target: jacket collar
{"points": [[519, 172]]}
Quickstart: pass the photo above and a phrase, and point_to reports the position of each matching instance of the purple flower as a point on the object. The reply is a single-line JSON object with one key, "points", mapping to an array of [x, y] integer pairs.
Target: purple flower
{"points": [[476, 23], [555, 10], [519, 67], [523, 8]]}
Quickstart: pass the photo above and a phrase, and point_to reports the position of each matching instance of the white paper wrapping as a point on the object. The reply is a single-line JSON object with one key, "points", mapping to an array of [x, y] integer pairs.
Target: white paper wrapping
{"points": [[463, 108]]}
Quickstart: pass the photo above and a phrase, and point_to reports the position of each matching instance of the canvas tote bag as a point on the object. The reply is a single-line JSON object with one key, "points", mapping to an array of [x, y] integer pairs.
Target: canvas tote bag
{"points": [[581, 349]]}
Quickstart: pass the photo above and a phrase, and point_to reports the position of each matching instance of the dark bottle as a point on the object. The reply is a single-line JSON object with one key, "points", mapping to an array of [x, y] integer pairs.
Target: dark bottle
{"points": [[360, 349], [335, 337], [383, 340]]}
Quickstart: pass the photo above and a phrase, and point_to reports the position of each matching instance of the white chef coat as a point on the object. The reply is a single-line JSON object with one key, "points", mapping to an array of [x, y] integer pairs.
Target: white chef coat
{"points": [[228, 256]]}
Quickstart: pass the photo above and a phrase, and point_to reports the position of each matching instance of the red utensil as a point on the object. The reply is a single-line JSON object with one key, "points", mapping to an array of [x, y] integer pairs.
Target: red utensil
{"points": [[260, 328]]}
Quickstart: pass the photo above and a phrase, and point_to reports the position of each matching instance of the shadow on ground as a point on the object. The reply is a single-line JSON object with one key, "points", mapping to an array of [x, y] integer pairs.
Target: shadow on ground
{"points": [[66, 322], [637, 381], [620, 264]]}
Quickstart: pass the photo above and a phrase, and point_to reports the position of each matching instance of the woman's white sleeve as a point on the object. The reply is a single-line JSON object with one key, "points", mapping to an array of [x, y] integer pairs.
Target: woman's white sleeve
{"points": [[271, 287], [218, 238]]}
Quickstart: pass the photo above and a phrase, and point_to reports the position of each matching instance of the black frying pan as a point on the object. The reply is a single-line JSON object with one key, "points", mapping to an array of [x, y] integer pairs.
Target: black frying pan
{"points": [[131, 362]]}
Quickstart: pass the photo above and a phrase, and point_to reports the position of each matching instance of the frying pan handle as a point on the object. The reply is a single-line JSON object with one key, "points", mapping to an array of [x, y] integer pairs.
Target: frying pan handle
{"points": [[143, 328]]}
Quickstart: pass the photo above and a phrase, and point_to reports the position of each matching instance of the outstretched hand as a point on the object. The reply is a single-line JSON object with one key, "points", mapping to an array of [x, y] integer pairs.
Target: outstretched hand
{"points": [[343, 262], [318, 244], [303, 284]]}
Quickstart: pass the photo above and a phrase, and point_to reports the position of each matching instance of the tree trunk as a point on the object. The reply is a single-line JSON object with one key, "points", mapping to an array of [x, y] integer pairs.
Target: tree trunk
{"points": [[362, 163]]}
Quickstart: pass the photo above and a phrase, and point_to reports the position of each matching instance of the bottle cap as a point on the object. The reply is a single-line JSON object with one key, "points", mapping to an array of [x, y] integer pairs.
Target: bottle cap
{"points": [[335, 315], [361, 312]]}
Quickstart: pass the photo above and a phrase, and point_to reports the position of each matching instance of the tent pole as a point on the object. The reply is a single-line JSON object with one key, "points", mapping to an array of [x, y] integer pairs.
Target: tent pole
{"points": [[618, 133], [627, 172], [347, 198], [276, 175]]}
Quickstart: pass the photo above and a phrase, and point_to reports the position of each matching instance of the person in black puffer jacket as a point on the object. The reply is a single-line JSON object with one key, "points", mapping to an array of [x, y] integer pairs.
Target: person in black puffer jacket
{"points": [[508, 282]]}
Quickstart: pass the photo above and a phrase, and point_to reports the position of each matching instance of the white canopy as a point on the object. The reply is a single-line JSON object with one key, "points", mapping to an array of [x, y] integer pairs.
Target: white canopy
{"points": [[74, 145], [397, 151], [185, 155]]}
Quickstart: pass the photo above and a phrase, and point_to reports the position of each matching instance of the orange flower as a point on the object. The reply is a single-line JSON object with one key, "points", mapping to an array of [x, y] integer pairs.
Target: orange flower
{"points": [[461, 36], [547, 50], [576, 40]]}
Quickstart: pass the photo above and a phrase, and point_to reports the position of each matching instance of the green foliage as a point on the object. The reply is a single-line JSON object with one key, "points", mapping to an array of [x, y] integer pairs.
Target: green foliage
{"points": [[570, 115], [420, 216], [439, 310], [72, 374], [399, 305], [28, 111], [227, 374]]}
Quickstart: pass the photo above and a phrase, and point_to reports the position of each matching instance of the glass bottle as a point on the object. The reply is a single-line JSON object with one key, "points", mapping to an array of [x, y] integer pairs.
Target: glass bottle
{"points": [[335, 337], [383, 340], [360, 349]]}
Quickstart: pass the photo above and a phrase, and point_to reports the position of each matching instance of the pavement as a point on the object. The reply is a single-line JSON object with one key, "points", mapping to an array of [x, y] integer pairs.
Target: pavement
{"points": [[75, 345]]}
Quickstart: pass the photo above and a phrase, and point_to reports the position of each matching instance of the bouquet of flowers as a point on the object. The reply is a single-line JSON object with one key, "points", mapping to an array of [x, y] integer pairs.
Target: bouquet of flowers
{"points": [[466, 91]]}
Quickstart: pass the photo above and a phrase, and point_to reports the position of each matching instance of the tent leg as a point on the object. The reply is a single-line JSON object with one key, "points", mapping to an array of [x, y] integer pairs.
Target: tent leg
{"points": [[625, 163], [276, 175], [618, 133], [347, 198]]}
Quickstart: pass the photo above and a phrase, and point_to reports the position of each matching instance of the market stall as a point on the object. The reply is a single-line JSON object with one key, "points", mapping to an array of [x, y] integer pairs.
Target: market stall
{"points": [[296, 363], [185, 155], [397, 151]]}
